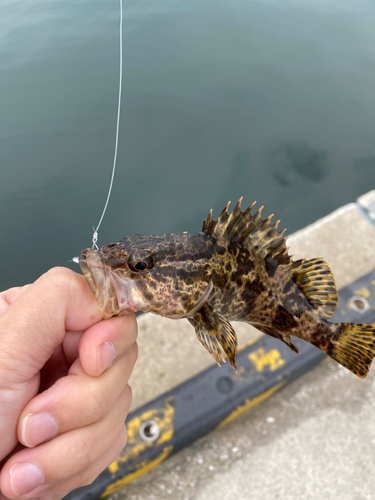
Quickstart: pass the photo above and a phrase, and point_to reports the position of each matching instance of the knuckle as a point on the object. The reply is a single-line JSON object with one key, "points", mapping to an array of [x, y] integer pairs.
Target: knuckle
{"points": [[85, 454], [98, 401], [82, 449], [67, 282], [59, 275], [60, 278]]}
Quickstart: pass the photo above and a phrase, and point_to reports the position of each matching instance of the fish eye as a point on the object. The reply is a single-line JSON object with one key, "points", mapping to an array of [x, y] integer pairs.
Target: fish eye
{"points": [[140, 263]]}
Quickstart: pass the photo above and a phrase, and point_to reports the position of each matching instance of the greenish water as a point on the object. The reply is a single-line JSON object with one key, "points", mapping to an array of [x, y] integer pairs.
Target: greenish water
{"points": [[272, 100]]}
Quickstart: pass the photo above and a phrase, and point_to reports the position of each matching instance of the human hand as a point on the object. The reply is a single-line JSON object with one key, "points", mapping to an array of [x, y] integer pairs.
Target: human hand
{"points": [[64, 391]]}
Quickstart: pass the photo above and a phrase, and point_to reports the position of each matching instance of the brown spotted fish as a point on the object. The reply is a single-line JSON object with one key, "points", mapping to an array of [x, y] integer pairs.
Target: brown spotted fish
{"points": [[237, 268]]}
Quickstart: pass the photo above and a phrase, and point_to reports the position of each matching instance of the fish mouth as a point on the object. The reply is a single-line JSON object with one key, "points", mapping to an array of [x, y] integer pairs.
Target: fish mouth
{"points": [[99, 279]]}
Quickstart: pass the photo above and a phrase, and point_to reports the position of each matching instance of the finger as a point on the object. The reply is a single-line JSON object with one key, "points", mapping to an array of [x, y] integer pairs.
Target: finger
{"points": [[8, 296], [36, 472], [87, 476], [90, 400], [101, 344]]}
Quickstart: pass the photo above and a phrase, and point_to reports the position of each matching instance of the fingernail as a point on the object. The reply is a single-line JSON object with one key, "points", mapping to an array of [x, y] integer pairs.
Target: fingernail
{"points": [[38, 428], [106, 356], [25, 478]]}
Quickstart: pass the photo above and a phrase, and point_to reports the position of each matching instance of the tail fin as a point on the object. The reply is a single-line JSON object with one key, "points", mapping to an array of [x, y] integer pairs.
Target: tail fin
{"points": [[354, 347]]}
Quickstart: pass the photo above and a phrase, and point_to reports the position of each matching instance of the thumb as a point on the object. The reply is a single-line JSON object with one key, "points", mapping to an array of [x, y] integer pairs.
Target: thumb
{"points": [[30, 330]]}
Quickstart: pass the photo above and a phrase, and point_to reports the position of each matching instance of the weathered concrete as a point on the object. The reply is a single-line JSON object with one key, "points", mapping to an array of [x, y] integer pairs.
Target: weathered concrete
{"points": [[314, 439]]}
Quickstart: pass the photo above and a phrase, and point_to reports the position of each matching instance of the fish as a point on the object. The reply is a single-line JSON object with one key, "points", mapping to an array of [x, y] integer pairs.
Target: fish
{"points": [[236, 269]]}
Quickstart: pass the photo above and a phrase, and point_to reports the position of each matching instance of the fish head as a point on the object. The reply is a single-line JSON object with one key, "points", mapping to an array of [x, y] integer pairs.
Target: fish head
{"points": [[167, 275]]}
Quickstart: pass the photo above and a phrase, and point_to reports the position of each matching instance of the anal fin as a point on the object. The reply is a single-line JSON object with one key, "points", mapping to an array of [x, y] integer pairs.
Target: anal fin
{"points": [[284, 337], [216, 334]]}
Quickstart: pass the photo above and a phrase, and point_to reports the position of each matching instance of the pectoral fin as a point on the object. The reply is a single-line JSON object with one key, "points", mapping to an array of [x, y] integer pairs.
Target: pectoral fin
{"points": [[216, 334]]}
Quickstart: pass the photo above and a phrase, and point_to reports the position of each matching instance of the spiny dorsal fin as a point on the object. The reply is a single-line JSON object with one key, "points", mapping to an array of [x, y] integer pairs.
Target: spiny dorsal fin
{"points": [[314, 278], [250, 231]]}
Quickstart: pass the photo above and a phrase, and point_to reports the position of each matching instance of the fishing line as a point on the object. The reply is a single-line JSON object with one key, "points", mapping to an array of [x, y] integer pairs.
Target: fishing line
{"points": [[95, 230], [95, 233]]}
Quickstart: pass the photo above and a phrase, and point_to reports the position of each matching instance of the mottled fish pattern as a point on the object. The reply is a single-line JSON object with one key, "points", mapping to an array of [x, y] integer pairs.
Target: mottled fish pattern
{"points": [[236, 269]]}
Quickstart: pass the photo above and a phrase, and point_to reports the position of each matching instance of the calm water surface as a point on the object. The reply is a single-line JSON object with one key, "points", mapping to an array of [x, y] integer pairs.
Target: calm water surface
{"points": [[272, 100]]}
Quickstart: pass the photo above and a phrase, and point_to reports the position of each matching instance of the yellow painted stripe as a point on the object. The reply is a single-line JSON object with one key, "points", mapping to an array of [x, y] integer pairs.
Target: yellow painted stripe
{"points": [[364, 292], [143, 467], [249, 403], [261, 359], [249, 343]]}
